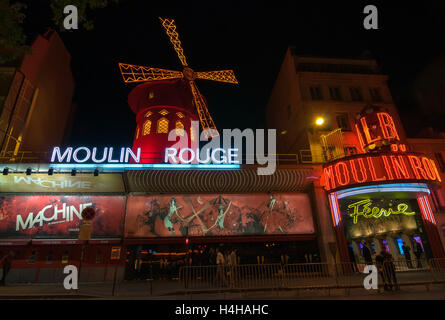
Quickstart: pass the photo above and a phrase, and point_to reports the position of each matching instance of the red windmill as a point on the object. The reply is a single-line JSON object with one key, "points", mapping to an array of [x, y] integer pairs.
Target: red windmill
{"points": [[168, 100]]}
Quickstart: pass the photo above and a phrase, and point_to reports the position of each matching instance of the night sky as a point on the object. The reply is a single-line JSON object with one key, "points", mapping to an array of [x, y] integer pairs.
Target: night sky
{"points": [[249, 37]]}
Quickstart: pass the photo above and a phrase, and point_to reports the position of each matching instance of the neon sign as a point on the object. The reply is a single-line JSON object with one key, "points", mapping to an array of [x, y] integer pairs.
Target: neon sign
{"points": [[363, 169], [376, 129], [363, 208], [188, 155], [84, 154]]}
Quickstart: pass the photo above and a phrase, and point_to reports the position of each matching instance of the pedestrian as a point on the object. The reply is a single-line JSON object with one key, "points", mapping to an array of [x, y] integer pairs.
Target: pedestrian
{"points": [[379, 261], [220, 269], [418, 250], [6, 262], [390, 271], [234, 271], [366, 254], [407, 254], [352, 259]]}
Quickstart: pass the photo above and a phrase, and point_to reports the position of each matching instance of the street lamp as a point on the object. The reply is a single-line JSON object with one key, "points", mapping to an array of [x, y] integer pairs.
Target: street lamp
{"points": [[319, 121]]}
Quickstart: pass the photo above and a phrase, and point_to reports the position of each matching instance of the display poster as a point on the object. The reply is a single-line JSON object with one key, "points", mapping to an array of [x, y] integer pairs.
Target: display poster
{"points": [[59, 217], [181, 215]]}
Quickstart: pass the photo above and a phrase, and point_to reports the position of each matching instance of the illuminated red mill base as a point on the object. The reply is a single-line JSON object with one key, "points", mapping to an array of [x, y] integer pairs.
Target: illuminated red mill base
{"points": [[160, 107], [378, 168]]}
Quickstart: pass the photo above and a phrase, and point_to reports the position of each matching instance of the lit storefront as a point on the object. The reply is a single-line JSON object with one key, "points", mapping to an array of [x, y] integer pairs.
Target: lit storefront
{"points": [[384, 196], [40, 220]]}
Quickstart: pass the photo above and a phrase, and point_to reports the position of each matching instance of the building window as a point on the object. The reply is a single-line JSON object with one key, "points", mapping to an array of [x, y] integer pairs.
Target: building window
{"points": [[356, 94], [335, 93], [343, 121], [32, 258], [163, 125], [179, 128], [49, 258], [316, 93], [65, 257], [375, 95], [151, 95], [440, 161], [192, 133], [147, 127], [163, 112], [180, 115], [350, 151], [99, 256], [149, 113]]}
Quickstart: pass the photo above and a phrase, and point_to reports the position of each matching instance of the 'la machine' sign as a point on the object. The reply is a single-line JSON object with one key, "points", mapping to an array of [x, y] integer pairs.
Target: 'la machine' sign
{"points": [[105, 155]]}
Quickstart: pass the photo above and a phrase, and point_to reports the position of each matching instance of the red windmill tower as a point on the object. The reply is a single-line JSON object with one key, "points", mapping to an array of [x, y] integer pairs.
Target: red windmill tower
{"points": [[168, 100]]}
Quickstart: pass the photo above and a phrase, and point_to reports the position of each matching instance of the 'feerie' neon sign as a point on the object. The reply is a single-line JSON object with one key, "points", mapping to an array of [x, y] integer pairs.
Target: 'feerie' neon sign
{"points": [[363, 208], [377, 168]]}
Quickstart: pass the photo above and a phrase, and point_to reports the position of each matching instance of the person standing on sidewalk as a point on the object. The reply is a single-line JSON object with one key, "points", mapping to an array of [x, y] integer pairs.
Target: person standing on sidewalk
{"points": [[407, 254], [220, 268], [390, 271], [6, 262], [380, 261], [352, 259], [418, 253], [367, 254]]}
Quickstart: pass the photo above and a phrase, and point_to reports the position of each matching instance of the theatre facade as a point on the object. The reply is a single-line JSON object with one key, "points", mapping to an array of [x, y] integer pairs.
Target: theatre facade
{"points": [[143, 216], [384, 196]]}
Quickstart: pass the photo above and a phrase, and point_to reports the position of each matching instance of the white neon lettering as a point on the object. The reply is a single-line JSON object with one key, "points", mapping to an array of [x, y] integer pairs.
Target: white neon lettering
{"points": [[181, 155], [170, 153], [87, 156], [104, 157], [223, 158], [110, 156], [61, 157], [136, 157]]}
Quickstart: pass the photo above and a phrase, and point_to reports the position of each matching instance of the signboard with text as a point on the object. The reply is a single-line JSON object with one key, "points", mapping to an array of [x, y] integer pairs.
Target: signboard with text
{"points": [[39, 182], [379, 168], [59, 217]]}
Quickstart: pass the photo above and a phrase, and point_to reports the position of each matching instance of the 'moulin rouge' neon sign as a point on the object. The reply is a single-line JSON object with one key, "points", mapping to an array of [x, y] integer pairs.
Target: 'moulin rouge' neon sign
{"points": [[363, 208], [369, 168]]}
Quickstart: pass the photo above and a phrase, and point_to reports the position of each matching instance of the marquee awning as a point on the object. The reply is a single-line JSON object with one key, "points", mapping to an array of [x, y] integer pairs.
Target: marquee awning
{"points": [[218, 181]]}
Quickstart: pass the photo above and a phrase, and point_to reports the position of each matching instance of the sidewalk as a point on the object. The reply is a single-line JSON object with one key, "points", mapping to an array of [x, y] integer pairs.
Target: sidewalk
{"points": [[171, 290]]}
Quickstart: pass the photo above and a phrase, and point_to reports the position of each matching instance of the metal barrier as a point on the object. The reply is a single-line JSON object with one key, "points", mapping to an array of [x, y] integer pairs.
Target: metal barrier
{"points": [[344, 275]]}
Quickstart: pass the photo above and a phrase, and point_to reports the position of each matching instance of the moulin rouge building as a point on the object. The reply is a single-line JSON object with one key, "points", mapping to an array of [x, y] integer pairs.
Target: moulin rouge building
{"points": [[323, 197], [148, 210]]}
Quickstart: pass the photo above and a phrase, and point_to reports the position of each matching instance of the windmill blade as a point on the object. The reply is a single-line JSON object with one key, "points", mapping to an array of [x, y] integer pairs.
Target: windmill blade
{"points": [[170, 27], [134, 73], [220, 75], [203, 112]]}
